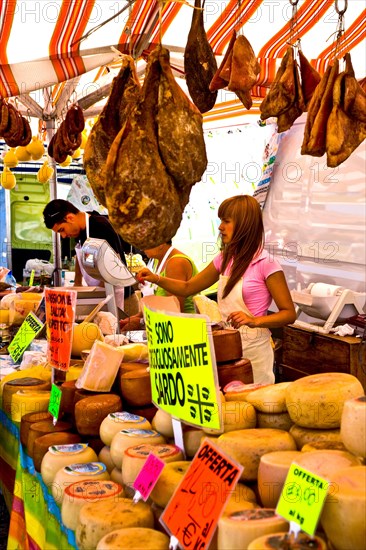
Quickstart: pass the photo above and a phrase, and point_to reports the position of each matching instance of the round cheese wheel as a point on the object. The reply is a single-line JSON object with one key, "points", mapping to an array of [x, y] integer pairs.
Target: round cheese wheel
{"points": [[227, 345], [28, 419], [241, 498], [272, 472], [322, 445], [169, 479], [344, 512], [275, 541], [76, 472], [91, 411], [316, 401], [235, 370], [307, 436], [353, 426], [133, 538], [129, 438], [269, 399], [192, 440], [81, 492], [135, 387], [37, 429], [116, 475], [277, 421], [147, 411], [17, 384], [237, 530], [105, 457], [135, 457], [115, 422], [162, 423], [42, 444], [68, 390], [247, 447], [326, 463], [26, 401], [97, 519], [235, 415], [59, 456], [238, 391]]}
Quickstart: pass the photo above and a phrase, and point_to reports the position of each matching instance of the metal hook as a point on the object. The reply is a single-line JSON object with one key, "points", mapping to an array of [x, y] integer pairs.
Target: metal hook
{"points": [[340, 12], [294, 2]]}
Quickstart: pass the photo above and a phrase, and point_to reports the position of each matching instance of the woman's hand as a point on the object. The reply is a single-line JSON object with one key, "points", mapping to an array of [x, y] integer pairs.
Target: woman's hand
{"points": [[238, 318], [146, 275]]}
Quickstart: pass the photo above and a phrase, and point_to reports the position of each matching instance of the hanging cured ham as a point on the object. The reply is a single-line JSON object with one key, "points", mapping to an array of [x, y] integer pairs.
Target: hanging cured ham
{"points": [[145, 190], [122, 100], [199, 62]]}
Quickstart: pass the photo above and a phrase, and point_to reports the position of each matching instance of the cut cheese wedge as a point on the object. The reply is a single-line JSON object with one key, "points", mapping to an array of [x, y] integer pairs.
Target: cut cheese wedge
{"points": [[100, 368], [59, 456], [275, 541], [115, 422], [129, 438], [76, 472], [353, 426], [270, 399], [133, 538]]}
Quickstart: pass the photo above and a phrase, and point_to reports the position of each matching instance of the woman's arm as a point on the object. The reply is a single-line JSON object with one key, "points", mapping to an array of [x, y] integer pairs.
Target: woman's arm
{"points": [[180, 269], [199, 282]]}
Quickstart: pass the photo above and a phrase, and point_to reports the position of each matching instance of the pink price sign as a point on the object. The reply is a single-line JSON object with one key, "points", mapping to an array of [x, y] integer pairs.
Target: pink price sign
{"points": [[148, 476]]}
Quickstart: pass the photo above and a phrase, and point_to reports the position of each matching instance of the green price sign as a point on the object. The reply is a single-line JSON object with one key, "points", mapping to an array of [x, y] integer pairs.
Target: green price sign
{"points": [[29, 329], [302, 498], [55, 401]]}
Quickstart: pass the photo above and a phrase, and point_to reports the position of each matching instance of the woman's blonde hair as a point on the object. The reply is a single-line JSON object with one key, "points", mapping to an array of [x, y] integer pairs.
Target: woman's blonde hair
{"points": [[247, 239]]}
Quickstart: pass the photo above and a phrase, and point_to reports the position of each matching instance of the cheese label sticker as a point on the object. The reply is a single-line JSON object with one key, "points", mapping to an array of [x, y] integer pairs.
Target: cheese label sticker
{"points": [[183, 371], [125, 417], [55, 401], [302, 498], [143, 433], [90, 468], [73, 448], [28, 330], [192, 513], [60, 317], [148, 476]]}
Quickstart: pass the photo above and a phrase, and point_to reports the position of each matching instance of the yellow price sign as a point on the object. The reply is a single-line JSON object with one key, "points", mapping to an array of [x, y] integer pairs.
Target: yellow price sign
{"points": [[302, 498], [183, 368]]}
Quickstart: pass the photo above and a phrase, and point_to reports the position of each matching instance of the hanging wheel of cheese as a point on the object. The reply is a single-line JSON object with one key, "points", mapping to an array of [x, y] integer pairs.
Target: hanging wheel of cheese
{"points": [[270, 399], [344, 512], [97, 519], [28, 419], [275, 541], [308, 436], [272, 473], [237, 530], [317, 401], [168, 481], [353, 426], [134, 537]]}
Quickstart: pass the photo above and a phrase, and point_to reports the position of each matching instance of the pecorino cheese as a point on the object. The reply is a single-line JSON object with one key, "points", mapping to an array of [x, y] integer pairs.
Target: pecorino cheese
{"points": [[275, 541], [97, 519], [82, 492], [317, 401], [162, 423], [169, 479], [26, 401], [272, 472], [105, 457], [353, 426], [326, 463], [26, 383], [116, 475], [278, 421], [134, 537], [38, 429], [44, 442], [77, 472], [235, 415], [247, 447], [238, 391], [270, 399], [28, 419], [59, 456], [307, 436], [343, 515], [100, 368], [129, 438], [135, 457], [237, 530], [91, 411], [115, 422]]}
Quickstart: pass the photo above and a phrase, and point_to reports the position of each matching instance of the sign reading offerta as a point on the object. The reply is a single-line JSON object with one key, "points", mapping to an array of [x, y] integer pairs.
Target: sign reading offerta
{"points": [[60, 317], [183, 367]]}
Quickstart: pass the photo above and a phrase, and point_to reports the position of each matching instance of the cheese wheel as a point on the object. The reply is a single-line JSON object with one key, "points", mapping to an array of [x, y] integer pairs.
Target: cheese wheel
{"points": [[247, 447], [116, 475], [115, 422], [42, 444], [135, 457], [322, 445], [68, 390], [135, 352], [76, 472], [353, 426], [272, 472], [237, 530], [25, 383], [277, 421], [134, 538], [169, 479], [37, 429], [147, 411], [26, 401], [275, 541], [192, 440], [100, 368], [28, 419], [105, 457], [242, 497], [91, 411], [317, 401], [129, 438], [135, 387], [97, 519], [162, 423], [59, 456], [270, 399], [307, 436], [344, 512], [235, 415], [82, 492], [326, 463], [238, 391]]}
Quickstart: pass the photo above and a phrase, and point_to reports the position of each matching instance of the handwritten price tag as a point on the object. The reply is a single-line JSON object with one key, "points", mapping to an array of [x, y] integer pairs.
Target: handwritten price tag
{"points": [[148, 476], [55, 401]]}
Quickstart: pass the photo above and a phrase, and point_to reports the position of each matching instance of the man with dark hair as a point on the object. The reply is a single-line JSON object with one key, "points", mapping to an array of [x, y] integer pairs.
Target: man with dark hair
{"points": [[68, 221]]}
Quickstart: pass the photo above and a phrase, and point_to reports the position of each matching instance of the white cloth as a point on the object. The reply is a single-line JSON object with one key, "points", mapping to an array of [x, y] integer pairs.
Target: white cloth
{"points": [[256, 342], [148, 289]]}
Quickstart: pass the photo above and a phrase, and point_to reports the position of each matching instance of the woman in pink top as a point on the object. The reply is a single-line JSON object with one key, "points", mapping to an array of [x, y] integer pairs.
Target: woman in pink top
{"points": [[248, 281]]}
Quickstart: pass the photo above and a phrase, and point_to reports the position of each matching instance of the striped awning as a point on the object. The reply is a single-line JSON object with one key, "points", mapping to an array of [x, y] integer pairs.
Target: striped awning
{"points": [[70, 48]]}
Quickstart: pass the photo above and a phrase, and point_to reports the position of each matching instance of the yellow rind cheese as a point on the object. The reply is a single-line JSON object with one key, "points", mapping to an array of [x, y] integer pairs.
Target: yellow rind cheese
{"points": [[272, 473], [129, 438], [76, 472], [235, 415], [115, 422], [353, 426], [169, 479], [133, 538], [308, 436], [135, 457], [275, 541], [270, 399]]}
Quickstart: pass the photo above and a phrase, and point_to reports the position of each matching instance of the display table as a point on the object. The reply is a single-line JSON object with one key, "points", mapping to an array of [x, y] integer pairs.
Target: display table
{"points": [[35, 518]]}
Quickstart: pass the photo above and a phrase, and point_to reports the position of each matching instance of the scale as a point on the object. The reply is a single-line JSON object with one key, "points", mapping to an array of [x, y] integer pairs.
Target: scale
{"points": [[101, 262], [330, 303]]}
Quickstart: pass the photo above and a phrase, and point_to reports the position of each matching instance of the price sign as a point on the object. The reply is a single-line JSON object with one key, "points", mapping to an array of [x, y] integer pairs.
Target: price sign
{"points": [[28, 330], [302, 498], [148, 476], [193, 511], [60, 316], [55, 401]]}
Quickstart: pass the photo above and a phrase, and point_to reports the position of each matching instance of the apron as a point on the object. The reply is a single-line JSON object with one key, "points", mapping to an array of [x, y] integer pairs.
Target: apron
{"points": [[148, 289], [256, 342], [119, 292]]}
